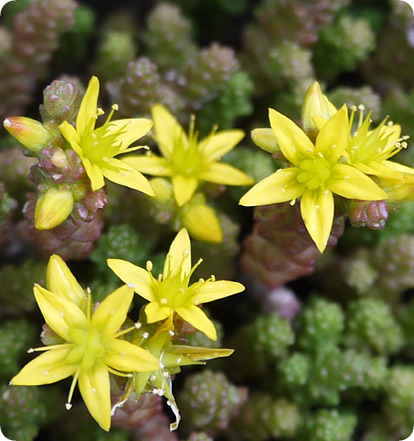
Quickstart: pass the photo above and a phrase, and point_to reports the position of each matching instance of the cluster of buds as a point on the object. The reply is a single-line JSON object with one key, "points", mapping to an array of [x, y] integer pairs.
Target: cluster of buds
{"points": [[64, 215]]}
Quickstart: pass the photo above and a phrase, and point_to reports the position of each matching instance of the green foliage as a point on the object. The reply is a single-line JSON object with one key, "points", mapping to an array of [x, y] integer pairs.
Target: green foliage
{"points": [[342, 46], [17, 336], [321, 323], [372, 325], [328, 425]]}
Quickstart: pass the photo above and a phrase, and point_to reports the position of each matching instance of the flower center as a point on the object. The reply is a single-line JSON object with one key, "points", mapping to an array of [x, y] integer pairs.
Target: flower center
{"points": [[314, 172], [88, 347]]}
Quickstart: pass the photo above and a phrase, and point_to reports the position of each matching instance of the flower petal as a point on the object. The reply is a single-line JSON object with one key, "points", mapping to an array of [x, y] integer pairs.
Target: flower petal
{"points": [[94, 173], [215, 146], [155, 312], [150, 165], [47, 368], [111, 313], [333, 137], [72, 136], [60, 314], [127, 357], [219, 289], [351, 183], [226, 174], [167, 130], [120, 172], [179, 255], [317, 209], [183, 188], [134, 276], [293, 142], [281, 186], [129, 130], [95, 390], [86, 119], [61, 281], [196, 317]]}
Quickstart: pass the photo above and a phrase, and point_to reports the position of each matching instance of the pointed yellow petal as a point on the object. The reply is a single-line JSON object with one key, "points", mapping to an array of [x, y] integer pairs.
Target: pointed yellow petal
{"points": [[86, 119], [217, 145], [167, 130], [122, 173], [219, 289], [135, 277], [196, 317], [47, 368], [95, 390], [184, 188], [226, 174], [155, 312], [94, 173], [62, 282], [201, 222], [333, 137], [293, 142], [72, 136], [351, 183], [317, 209], [60, 314], [130, 130], [384, 169], [281, 186], [111, 313], [127, 357], [179, 255], [150, 165]]}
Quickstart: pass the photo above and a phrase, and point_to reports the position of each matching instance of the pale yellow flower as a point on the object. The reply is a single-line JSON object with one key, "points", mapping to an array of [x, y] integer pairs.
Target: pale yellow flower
{"points": [[97, 147], [171, 292], [92, 348], [186, 160]]}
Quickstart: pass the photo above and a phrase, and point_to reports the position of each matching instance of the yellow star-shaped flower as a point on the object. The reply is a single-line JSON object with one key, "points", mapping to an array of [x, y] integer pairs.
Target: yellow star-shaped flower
{"points": [[92, 348], [97, 147], [171, 292], [317, 172], [186, 160]]}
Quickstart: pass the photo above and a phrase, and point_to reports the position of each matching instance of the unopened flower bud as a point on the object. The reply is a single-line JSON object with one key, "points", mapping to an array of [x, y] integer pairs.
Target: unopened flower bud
{"points": [[53, 207], [201, 221], [29, 132], [316, 104], [265, 139], [371, 214], [163, 190]]}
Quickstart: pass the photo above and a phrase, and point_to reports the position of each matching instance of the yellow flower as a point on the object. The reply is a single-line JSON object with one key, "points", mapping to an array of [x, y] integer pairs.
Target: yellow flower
{"points": [[369, 150], [316, 174], [186, 160], [97, 148], [171, 291], [91, 348]]}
